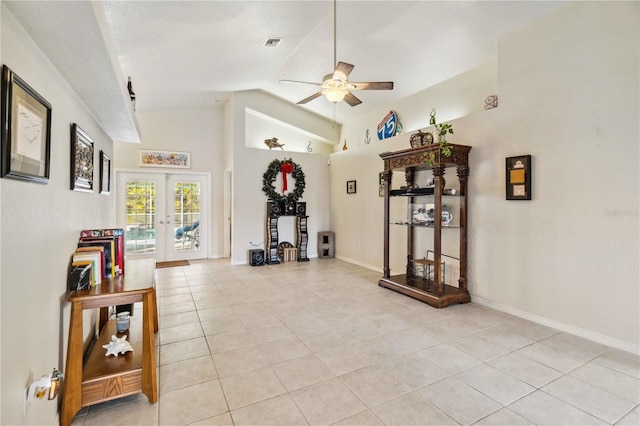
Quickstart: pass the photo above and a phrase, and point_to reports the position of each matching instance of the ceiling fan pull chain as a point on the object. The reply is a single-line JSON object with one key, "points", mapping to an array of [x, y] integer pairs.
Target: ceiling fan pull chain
{"points": [[335, 19]]}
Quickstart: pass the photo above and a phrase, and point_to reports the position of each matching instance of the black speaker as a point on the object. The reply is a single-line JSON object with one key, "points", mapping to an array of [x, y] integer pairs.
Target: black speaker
{"points": [[274, 208], [125, 308], [289, 207], [256, 257], [301, 208]]}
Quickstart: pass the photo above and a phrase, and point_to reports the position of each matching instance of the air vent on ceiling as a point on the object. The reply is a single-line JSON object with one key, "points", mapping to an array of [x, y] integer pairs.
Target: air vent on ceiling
{"points": [[272, 42]]}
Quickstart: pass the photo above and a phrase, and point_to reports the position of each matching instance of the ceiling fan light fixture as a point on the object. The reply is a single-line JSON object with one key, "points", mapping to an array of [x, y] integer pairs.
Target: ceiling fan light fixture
{"points": [[336, 86], [335, 94]]}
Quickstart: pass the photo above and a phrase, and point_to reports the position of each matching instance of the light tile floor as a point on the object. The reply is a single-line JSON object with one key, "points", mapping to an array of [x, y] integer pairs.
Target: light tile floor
{"points": [[320, 343]]}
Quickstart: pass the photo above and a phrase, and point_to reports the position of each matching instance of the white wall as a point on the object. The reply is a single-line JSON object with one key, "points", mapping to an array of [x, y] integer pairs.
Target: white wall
{"points": [[249, 165], [358, 236], [457, 97], [258, 128], [250, 202], [568, 95], [40, 228], [198, 131], [358, 229]]}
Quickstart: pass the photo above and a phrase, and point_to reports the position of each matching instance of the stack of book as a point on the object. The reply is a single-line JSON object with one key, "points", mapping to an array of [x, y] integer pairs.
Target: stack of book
{"points": [[102, 250], [81, 278]]}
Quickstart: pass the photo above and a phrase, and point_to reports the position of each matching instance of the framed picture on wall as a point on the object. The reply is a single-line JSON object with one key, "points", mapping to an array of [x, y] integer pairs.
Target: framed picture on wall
{"points": [[174, 159], [518, 177], [26, 130], [351, 187], [81, 160], [105, 173]]}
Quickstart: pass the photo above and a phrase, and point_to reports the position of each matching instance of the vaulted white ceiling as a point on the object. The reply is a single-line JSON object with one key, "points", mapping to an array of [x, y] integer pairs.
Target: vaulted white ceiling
{"points": [[196, 53]]}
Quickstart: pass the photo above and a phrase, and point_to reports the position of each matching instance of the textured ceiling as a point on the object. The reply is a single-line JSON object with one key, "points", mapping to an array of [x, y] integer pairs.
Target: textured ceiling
{"points": [[195, 53], [184, 53], [72, 35]]}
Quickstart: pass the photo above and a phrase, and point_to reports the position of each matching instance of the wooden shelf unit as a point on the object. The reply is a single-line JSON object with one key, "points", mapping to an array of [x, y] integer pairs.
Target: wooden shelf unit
{"points": [[432, 291], [103, 378], [301, 235]]}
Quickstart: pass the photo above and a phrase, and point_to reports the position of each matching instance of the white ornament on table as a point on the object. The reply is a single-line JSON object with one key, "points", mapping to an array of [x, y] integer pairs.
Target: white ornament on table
{"points": [[118, 345]]}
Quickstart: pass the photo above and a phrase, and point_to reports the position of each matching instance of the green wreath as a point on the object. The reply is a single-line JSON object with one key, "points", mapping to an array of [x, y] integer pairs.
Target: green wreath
{"points": [[269, 178]]}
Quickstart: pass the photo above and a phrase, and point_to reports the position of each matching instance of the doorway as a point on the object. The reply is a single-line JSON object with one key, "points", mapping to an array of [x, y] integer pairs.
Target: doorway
{"points": [[165, 215], [228, 202]]}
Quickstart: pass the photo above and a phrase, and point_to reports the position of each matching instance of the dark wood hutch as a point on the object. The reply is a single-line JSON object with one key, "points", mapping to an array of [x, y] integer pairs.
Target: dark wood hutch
{"points": [[428, 285]]}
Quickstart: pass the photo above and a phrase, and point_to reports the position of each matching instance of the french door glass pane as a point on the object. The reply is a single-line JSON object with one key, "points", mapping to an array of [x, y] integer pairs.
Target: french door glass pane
{"points": [[141, 216], [186, 213]]}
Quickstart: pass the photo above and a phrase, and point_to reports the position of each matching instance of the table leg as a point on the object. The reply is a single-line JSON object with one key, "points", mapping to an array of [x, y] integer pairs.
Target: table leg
{"points": [[149, 380], [154, 306], [72, 393]]}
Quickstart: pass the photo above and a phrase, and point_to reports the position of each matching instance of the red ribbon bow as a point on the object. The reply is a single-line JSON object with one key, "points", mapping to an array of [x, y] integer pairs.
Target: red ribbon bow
{"points": [[285, 168]]}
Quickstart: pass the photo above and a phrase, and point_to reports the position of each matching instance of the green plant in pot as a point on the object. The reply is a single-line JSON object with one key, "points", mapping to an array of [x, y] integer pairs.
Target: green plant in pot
{"points": [[443, 130]]}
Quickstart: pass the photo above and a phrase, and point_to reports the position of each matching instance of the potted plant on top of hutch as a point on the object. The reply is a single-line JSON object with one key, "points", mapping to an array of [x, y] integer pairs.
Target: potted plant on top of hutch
{"points": [[433, 217]]}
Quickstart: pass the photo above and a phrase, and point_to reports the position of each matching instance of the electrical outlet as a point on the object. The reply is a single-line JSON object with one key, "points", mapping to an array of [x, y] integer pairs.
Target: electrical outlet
{"points": [[46, 387]]}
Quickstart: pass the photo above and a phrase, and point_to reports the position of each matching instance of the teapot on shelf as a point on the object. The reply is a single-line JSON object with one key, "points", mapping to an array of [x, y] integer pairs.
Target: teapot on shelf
{"points": [[422, 215], [446, 218]]}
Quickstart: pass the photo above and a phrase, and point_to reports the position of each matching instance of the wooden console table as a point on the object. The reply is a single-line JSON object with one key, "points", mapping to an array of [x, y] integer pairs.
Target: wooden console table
{"points": [[103, 378]]}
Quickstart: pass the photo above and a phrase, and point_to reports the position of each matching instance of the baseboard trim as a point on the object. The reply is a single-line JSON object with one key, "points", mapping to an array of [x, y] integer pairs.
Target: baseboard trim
{"points": [[364, 265], [587, 334]]}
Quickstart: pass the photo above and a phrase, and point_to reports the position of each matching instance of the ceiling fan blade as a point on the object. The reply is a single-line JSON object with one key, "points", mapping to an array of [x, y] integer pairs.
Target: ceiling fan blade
{"points": [[352, 100], [310, 98], [342, 71], [300, 82], [373, 85]]}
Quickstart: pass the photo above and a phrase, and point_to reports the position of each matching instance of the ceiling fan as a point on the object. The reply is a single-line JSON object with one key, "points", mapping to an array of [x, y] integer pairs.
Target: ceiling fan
{"points": [[336, 86]]}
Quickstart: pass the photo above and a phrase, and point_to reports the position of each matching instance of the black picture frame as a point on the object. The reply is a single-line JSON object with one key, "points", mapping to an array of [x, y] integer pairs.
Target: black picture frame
{"points": [[81, 160], [26, 131], [105, 173], [351, 187], [518, 177]]}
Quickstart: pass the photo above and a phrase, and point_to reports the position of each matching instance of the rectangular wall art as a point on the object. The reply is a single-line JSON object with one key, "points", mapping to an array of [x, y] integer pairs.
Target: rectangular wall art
{"points": [[351, 187], [81, 160], [518, 177], [174, 159], [26, 130], [105, 173]]}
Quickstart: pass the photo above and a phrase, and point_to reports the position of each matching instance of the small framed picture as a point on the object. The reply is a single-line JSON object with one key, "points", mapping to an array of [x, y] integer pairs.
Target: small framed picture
{"points": [[381, 184], [26, 131], [105, 173], [351, 187], [518, 177], [81, 160]]}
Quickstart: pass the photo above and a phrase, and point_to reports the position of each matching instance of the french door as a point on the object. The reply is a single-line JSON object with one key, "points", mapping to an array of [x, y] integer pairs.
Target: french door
{"points": [[164, 214]]}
